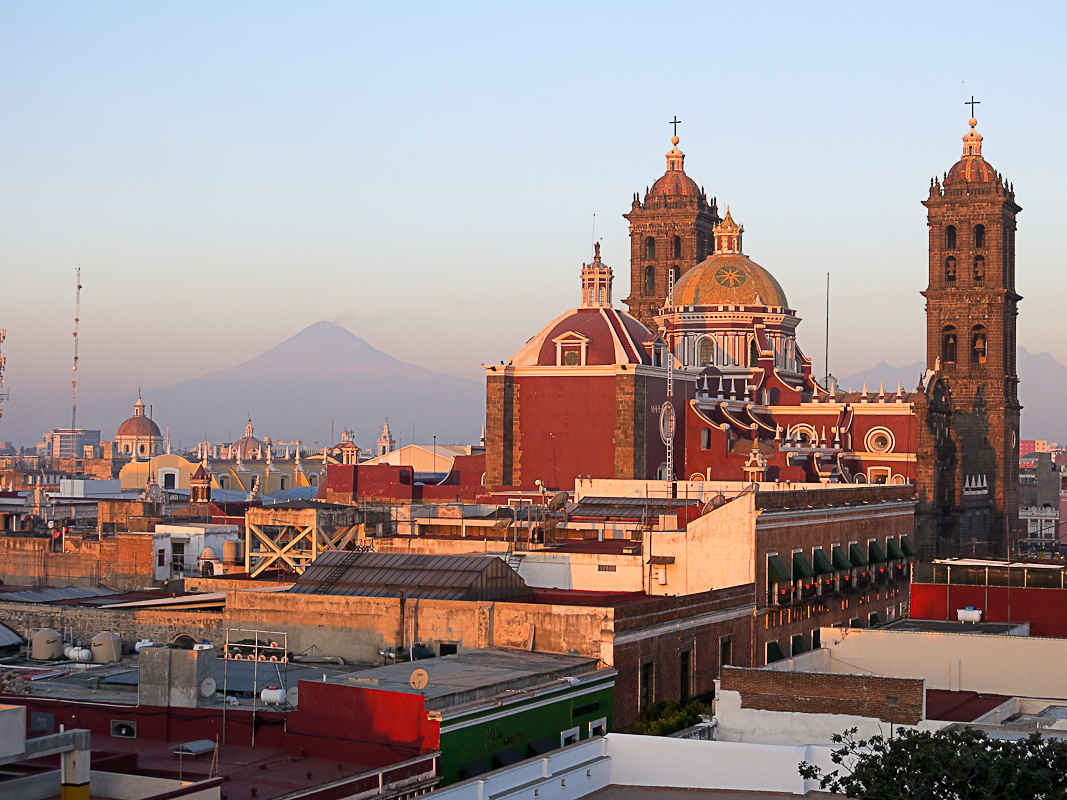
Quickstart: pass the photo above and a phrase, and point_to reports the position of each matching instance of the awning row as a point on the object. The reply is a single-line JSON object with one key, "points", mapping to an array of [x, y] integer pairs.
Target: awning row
{"points": [[839, 560]]}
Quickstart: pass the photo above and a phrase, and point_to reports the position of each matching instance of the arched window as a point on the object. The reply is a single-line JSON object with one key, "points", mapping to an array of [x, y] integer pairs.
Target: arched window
{"points": [[284, 483], [978, 344], [948, 345], [979, 270], [222, 481], [979, 235], [950, 269], [707, 352], [676, 247], [753, 354], [650, 247], [705, 439], [650, 279], [950, 237]]}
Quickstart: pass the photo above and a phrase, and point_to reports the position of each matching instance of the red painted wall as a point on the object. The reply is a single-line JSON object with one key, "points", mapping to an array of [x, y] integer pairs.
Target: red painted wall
{"points": [[373, 715], [1044, 609]]}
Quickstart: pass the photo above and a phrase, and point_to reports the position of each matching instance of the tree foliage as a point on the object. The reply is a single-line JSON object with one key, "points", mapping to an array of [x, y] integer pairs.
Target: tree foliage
{"points": [[665, 717], [962, 764]]}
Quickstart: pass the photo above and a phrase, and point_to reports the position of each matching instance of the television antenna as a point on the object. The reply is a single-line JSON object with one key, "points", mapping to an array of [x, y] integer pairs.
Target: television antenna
{"points": [[3, 364], [77, 315]]}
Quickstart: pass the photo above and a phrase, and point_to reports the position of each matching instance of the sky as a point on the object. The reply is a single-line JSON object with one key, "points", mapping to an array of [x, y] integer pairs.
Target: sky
{"points": [[432, 176]]}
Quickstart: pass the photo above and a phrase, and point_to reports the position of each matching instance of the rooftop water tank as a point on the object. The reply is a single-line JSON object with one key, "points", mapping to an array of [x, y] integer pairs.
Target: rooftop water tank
{"points": [[46, 645], [229, 551], [106, 647]]}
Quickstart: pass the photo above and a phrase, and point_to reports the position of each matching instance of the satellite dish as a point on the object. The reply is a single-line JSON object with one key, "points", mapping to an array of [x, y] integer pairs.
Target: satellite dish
{"points": [[718, 501], [419, 679], [291, 696], [207, 687], [558, 501]]}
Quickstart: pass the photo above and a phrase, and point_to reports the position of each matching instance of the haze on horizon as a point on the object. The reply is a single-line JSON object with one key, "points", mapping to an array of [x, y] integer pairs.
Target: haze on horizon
{"points": [[428, 176]]}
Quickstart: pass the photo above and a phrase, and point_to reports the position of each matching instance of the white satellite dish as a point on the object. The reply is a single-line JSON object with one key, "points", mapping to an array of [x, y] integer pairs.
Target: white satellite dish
{"points": [[207, 687], [419, 679], [292, 696]]}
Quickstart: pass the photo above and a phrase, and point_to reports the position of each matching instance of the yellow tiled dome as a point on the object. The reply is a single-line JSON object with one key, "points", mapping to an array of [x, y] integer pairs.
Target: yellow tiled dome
{"points": [[729, 279]]}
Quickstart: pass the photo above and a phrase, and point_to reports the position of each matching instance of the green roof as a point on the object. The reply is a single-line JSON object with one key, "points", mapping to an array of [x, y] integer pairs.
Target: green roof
{"points": [[855, 555], [875, 552], [821, 563], [894, 549], [908, 547], [776, 570], [840, 559], [801, 567]]}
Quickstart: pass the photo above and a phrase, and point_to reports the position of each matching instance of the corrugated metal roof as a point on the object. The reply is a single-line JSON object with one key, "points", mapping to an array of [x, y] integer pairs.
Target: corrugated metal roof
{"points": [[8, 637], [440, 577], [51, 595]]}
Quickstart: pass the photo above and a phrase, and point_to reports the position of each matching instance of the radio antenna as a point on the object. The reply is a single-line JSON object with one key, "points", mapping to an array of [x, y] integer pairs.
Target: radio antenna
{"points": [[77, 315], [3, 364]]}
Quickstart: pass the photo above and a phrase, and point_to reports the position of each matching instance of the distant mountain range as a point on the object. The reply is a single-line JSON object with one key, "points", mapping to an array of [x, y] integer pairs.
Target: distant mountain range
{"points": [[1042, 382], [322, 375]]}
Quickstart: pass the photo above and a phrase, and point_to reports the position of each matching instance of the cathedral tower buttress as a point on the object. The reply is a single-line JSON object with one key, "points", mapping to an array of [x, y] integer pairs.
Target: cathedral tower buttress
{"points": [[968, 462], [671, 230]]}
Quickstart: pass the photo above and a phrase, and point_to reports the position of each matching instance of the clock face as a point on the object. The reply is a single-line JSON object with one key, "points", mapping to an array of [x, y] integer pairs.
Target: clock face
{"points": [[666, 423], [731, 277]]}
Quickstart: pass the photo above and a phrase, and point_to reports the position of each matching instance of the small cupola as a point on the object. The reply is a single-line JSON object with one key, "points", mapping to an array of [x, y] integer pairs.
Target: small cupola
{"points": [[596, 282], [728, 235]]}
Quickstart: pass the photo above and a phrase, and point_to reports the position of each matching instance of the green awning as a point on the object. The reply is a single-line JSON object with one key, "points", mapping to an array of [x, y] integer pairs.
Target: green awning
{"points": [[875, 552], [840, 559], [776, 570], [855, 555], [821, 563], [908, 547], [774, 652], [801, 567], [799, 645], [894, 550]]}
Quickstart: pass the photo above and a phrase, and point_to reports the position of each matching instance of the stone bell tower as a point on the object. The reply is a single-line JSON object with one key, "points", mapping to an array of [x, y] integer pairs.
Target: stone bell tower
{"points": [[968, 460]]}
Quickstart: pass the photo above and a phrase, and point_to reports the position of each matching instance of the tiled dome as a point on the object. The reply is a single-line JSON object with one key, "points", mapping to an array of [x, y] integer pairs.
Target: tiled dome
{"points": [[729, 279]]}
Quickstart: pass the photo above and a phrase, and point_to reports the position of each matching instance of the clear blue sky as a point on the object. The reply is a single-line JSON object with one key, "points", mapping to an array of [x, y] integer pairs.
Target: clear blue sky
{"points": [[427, 174]]}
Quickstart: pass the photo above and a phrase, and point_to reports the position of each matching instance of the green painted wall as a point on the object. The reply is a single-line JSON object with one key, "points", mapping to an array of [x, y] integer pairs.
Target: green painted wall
{"points": [[519, 727]]}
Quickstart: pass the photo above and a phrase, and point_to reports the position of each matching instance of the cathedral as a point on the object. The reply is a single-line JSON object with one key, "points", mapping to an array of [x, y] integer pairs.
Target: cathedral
{"points": [[703, 377]]}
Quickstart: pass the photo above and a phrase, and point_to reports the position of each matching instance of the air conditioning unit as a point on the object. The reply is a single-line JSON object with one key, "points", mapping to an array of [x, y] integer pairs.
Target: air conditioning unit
{"points": [[123, 729]]}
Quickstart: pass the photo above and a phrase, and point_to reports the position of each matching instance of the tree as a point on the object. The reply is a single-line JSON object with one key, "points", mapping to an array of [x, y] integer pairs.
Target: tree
{"points": [[962, 764], [665, 717]]}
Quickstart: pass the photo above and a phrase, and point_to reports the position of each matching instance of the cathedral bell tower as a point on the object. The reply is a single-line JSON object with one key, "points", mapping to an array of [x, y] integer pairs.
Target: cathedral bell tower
{"points": [[670, 230], [968, 459]]}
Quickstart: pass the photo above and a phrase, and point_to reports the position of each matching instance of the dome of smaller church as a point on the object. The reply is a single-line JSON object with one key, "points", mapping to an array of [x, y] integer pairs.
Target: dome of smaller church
{"points": [[138, 425], [729, 279]]}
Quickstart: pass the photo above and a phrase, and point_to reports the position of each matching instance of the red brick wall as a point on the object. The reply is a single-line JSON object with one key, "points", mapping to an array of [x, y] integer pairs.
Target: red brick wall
{"points": [[820, 693]]}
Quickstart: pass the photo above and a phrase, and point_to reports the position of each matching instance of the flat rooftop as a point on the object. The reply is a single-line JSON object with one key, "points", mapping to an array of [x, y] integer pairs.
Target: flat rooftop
{"points": [[949, 626], [614, 792], [475, 674]]}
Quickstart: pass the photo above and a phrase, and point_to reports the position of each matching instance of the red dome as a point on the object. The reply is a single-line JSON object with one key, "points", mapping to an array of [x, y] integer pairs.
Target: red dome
{"points": [[138, 426], [610, 337], [971, 169], [674, 182]]}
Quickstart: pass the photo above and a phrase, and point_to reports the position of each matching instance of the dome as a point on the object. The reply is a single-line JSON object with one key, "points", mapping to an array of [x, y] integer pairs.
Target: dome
{"points": [[674, 183], [604, 337], [971, 169], [729, 279], [138, 426]]}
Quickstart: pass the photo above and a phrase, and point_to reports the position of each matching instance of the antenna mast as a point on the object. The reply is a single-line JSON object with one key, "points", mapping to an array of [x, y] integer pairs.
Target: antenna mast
{"points": [[77, 316], [3, 364]]}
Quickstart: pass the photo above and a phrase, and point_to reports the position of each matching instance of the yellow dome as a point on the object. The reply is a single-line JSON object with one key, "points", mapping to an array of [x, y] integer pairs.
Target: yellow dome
{"points": [[729, 279]]}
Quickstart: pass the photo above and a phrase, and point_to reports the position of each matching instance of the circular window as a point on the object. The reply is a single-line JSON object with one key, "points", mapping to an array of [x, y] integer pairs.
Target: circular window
{"points": [[805, 434], [571, 358], [142, 449], [879, 440]]}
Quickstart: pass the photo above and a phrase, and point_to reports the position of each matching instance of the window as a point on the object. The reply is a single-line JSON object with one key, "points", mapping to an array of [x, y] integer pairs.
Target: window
{"points": [[950, 269], [222, 481], [726, 653], [978, 344], [753, 354], [169, 480], [707, 352], [685, 674], [650, 278], [606, 567], [285, 482], [650, 248], [447, 648], [571, 358], [648, 685], [948, 345], [676, 247], [598, 727], [979, 270], [979, 236], [705, 439], [879, 440], [950, 237], [568, 737], [161, 558], [878, 475]]}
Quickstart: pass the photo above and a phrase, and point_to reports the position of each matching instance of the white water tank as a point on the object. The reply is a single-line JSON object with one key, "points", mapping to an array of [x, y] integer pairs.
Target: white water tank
{"points": [[969, 614], [142, 644], [106, 647], [81, 654], [46, 645], [272, 696], [229, 551]]}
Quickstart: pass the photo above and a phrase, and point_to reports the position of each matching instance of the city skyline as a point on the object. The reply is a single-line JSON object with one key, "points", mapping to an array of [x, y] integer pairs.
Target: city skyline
{"points": [[226, 177]]}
